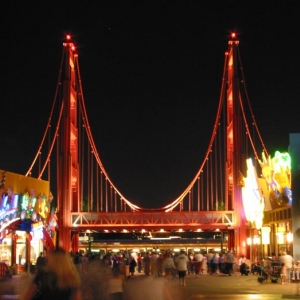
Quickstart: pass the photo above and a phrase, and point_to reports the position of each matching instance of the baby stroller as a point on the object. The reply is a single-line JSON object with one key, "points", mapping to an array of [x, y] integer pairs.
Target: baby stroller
{"points": [[244, 269], [275, 271], [225, 268], [261, 271]]}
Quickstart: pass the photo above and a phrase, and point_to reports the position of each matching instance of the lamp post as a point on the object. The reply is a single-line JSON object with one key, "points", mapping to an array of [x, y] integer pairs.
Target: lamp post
{"points": [[89, 240]]}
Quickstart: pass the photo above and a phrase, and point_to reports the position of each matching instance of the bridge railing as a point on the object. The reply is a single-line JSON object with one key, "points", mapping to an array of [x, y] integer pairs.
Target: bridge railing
{"points": [[137, 220]]}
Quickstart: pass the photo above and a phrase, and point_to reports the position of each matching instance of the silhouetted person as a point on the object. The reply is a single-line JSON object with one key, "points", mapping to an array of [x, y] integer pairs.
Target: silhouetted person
{"points": [[40, 262], [59, 279]]}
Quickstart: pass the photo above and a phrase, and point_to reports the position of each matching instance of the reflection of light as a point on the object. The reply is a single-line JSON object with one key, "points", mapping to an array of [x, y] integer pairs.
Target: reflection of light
{"points": [[115, 250], [249, 241], [281, 228], [162, 230], [256, 240], [6, 241], [280, 238], [253, 201], [265, 235], [196, 249], [176, 250], [253, 296], [289, 237]]}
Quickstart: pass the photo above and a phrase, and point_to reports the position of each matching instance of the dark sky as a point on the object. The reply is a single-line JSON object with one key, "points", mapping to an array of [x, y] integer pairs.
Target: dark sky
{"points": [[151, 74]]}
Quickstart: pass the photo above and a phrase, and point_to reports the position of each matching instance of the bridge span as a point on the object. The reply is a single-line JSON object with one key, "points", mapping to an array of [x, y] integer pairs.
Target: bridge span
{"points": [[154, 221], [87, 201]]}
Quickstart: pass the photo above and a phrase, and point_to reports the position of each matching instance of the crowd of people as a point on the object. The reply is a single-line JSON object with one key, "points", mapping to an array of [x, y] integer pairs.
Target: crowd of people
{"points": [[63, 275]]}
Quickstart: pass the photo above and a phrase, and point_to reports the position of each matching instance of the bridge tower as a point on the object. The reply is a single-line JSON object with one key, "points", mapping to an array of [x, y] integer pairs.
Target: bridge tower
{"points": [[68, 165], [235, 160]]}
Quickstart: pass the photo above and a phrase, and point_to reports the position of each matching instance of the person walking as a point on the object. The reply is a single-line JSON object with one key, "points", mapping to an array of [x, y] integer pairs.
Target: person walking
{"points": [[116, 284], [229, 260], [242, 265], [132, 265], [283, 273], [182, 262], [147, 263], [295, 272], [84, 263], [139, 262], [40, 263], [168, 266], [209, 258], [288, 261], [58, 280], [198, 259], [215, 264]]}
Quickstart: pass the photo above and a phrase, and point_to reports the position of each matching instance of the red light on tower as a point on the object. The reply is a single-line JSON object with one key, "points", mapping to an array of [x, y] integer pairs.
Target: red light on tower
{"points": [[68, 37], [233, 35]]}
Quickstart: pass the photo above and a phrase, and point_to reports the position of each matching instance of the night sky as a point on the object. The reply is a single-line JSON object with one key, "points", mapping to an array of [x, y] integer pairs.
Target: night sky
{"points": [[151, 74]]}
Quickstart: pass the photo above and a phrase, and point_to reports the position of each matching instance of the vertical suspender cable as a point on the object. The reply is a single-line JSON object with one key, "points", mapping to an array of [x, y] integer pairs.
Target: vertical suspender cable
{"points": [[198, 194], [49, 162], [101, 191], [111, 197], [216, 174], [207, 188], [92, 183], [211, 182], [97, 185], [106, 196]]}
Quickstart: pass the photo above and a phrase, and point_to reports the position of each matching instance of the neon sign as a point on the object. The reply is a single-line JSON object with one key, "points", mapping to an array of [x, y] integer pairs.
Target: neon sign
{"points": [[8, 207], [276, 172]]}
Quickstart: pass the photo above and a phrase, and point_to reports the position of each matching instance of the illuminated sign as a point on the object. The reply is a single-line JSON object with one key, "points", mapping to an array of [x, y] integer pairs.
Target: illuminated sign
{"points": [[24, 203], [253, 200], [277, 173], [275, 184], [8, 207]]}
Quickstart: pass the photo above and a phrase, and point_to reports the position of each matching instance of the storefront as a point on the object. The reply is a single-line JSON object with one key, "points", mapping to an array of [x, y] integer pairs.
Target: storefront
{"points": [[267, 203], [25, 210]]}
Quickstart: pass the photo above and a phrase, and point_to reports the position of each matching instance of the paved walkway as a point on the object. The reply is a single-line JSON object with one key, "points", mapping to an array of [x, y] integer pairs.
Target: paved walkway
{"points": [[203, 287]]}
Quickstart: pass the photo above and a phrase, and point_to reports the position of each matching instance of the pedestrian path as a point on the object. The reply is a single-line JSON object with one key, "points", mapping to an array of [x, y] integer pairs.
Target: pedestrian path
{"points": [[216, 287], [239, 296]]}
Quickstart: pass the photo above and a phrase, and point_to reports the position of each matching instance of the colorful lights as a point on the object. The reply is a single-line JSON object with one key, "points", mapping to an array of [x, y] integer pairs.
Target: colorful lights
{"points": [[265, 235], [252, 198], [277, 174]]}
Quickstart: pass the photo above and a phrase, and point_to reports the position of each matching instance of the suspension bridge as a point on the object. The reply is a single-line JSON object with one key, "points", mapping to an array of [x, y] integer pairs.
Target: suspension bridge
{"points": [[88, 199]]}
